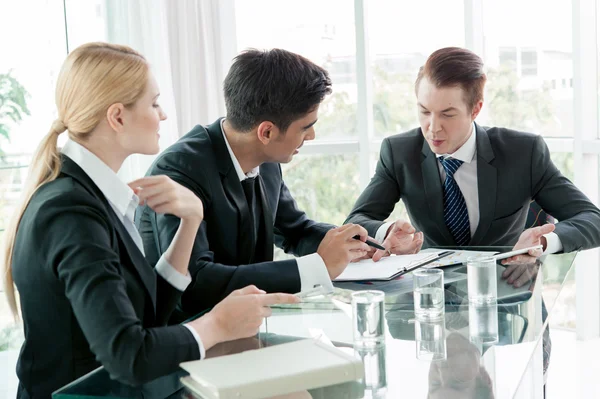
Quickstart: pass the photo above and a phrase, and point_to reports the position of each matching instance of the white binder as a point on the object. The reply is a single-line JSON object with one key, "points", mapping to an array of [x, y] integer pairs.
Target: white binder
{"points": [[275, 370]]}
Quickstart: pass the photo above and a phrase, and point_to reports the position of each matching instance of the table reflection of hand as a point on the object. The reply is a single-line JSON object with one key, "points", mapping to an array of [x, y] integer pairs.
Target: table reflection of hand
{"points": [[521, 274], [230, 347], [461, 374]]}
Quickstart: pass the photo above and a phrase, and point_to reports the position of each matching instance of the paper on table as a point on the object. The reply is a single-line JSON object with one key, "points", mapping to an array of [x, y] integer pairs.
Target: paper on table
{"points": [[384, 269], [457, 258]]}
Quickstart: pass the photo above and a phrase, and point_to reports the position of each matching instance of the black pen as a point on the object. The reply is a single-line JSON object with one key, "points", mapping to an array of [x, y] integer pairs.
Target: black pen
{"points": [[370, 243]]}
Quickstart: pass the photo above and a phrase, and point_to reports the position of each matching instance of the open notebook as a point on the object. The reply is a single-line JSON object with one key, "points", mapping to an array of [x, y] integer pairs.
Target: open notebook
{"points": [[389, 267], [275, 370]]}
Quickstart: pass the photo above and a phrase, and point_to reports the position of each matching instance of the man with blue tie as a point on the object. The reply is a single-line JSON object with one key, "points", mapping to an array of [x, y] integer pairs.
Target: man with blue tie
{"points": [[465, 184]]}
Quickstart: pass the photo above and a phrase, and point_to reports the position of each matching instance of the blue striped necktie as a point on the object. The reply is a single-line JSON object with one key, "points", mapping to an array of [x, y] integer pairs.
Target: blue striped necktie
{"points": [[456, 216]]}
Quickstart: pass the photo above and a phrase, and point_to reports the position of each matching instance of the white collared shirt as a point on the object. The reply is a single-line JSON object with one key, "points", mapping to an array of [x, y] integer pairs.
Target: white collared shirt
{"points": [[311, 268], [124, 202], [466, 178], [236, 164]]}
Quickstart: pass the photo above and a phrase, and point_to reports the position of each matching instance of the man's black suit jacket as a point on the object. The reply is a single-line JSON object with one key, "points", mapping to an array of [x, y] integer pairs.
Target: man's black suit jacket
{"points": [[88, 295], [220, 261], [513, 168]]}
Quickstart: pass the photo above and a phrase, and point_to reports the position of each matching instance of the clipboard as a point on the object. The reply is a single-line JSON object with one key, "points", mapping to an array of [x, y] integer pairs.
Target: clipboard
{"points": [[388, 268]]}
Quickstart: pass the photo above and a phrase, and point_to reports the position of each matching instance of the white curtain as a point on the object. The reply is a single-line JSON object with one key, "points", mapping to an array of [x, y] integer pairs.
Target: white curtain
{"points": [[200, 55], [183, 41]]}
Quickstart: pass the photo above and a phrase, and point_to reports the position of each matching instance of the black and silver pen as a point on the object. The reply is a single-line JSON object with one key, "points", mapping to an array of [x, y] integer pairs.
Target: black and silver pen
{"points": [[371, 243]]}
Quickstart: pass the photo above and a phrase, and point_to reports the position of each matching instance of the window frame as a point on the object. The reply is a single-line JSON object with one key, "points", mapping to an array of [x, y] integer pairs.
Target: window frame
{"points": [[585, 145]]}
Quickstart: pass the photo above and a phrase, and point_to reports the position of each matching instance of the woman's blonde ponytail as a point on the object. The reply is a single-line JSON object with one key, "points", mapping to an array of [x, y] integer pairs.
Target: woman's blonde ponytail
{"points": [[44, 167], [93, 77]]}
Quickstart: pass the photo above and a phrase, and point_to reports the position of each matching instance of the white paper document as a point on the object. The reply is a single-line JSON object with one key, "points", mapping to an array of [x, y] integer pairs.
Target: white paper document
{"points": [[385, 269]]}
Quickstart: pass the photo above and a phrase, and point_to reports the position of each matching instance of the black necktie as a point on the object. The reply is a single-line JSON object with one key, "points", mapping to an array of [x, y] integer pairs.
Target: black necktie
{"points": [[250, 191]]}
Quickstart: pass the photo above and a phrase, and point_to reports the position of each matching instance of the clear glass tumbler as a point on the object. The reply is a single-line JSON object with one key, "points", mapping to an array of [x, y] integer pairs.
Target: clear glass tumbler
{"points": [[428, 289], [368, 318], [482, 281]]}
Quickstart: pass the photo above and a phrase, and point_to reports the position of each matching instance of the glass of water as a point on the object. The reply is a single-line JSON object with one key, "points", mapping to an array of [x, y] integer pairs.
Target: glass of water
{"points": [[483, 322], [482, 284], [368, 318], [428, 286], [430, 339]]}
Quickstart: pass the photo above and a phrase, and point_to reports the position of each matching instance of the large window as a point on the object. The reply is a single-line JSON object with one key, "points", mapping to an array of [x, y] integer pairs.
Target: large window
{"points": [[537, 80], [322, 31], [29, 66], [398, 50], [325, 186], [530, 66]]}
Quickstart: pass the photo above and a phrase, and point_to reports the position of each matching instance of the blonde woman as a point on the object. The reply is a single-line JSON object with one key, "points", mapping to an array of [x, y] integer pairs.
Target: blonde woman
{"points": [[88, 297]]}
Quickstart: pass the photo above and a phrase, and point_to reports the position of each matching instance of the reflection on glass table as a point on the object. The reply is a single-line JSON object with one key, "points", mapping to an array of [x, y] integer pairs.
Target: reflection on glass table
{"points": [[430, 339], [483, 322], [508, 334], [461, 374], [511, 366]]}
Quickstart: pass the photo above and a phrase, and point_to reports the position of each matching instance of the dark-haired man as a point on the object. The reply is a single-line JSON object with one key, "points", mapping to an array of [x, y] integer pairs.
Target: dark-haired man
{"points": [[464, 184], [272, 100]]}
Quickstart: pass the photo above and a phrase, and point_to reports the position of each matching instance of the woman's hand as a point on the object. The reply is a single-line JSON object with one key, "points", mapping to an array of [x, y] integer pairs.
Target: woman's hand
{"points": [[237, 316], [164, 195]]}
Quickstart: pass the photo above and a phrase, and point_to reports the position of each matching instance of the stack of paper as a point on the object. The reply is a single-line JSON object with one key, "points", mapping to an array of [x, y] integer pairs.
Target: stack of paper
{"points": [[275, 370]]}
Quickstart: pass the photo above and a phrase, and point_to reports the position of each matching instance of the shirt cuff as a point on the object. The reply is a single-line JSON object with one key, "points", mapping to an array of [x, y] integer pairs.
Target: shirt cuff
{"points": [[171, 275], [382, 231], [553, 243], [198, 340], [313, 272]]}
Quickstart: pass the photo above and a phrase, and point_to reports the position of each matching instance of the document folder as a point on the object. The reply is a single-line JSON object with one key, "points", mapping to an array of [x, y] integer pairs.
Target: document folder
{"points": [[388, 268], [275, 370]]}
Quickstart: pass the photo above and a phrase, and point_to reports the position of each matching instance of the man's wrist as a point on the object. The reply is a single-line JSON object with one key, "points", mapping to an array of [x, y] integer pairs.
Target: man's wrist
{"points": [[389, 230], [383, 231], [313, 271]]}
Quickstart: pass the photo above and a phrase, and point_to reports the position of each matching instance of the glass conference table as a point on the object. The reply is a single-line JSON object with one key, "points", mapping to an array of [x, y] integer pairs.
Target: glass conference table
{"points": [[512, 367]]}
